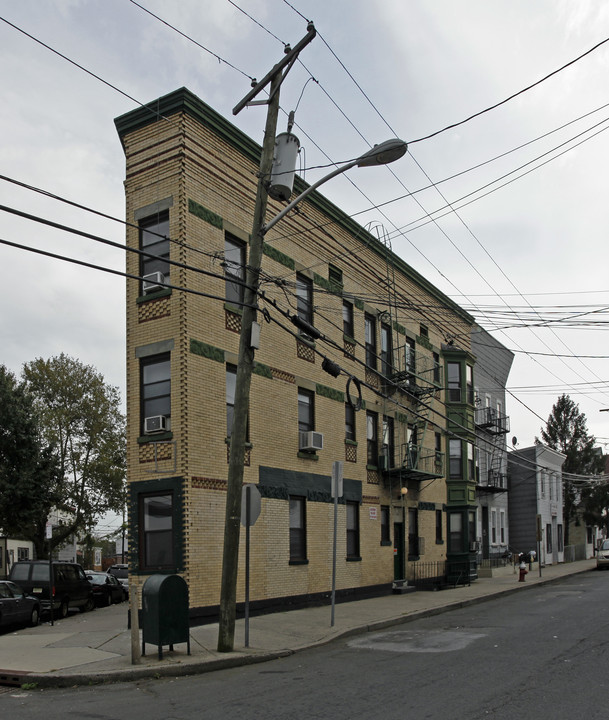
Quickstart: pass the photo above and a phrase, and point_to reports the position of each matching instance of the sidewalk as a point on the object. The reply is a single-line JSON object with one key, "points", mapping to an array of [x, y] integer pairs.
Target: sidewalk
{"points": [[95, 647]]}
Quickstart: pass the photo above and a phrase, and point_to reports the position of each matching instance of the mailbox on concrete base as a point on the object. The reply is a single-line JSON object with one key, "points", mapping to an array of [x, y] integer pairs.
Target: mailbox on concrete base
{"points": [[165, 612]]}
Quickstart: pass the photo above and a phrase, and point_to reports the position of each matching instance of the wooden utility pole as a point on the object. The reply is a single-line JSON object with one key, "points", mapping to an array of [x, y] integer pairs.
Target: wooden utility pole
{"points": [[230, 558]]}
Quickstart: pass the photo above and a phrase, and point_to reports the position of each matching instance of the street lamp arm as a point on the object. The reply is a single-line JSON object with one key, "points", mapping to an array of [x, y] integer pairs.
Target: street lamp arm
{"points": [[382, 154]]}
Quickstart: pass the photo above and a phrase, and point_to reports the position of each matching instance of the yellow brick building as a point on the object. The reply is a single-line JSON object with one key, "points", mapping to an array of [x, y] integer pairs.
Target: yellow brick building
{"points": [[190, 192]]}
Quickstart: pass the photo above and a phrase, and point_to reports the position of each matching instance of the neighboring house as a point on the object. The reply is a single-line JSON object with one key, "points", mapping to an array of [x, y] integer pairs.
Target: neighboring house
{"points": [[536, 502], [190, 191], [11, 551], [493, 363], [68, 551]]}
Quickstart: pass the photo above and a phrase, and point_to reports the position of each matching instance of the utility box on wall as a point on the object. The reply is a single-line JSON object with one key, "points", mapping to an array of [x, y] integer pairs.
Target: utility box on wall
{"points": [[165, 612]]}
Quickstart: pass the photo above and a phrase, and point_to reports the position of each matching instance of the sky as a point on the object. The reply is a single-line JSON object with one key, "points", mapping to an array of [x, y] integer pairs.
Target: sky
{"points": [[505, 212]]}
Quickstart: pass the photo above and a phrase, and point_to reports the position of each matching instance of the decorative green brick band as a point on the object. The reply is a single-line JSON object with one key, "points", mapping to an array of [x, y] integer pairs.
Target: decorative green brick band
{"points": [[208, 351], [427, 505], [277, 255], [329, 392], [263, 370], [400, 417], [359, 304], [202, 212], [333, 287], [424, 341], [399, 328]]}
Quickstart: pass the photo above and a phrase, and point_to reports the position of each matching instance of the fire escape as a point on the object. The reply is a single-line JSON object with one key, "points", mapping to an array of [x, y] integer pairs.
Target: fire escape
{"points": [[495, 425]]}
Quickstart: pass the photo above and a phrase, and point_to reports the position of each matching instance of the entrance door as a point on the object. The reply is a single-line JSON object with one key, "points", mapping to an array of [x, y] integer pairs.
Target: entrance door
{"points": [[399, 572]]}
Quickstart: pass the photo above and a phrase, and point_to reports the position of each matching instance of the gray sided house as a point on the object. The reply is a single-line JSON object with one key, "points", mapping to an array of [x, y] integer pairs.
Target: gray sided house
{"points": [[493, 364], [536, 501]]}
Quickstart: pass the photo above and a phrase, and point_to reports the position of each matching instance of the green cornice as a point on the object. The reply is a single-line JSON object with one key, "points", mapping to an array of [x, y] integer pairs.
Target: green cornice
{"points": [[183, 100]]}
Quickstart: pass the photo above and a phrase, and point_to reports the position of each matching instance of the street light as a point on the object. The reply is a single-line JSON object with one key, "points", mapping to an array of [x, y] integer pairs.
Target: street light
{"points": [[383, 154]]}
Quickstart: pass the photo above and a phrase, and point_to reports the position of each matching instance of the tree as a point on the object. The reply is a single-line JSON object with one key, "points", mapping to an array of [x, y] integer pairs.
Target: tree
{"points": [[29, 472], [81, 419], [567, 432]]}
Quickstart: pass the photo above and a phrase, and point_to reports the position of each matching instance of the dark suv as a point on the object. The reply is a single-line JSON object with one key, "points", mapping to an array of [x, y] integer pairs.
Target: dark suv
{"points": [[71, 589]]}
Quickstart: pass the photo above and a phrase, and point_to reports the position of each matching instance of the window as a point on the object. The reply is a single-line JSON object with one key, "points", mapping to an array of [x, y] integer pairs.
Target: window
{"points": [[349, 422], [234, 269], [298, 529], [156, 523], [436, 368], [23, 553], [370, 337], [423, 331], [542, 482], [472, 528], [559, 538], [439, 535], [455, 529], [410, 355], [335, 275], [155, 387], [372, 437], [389, 440], [549, 538], [453, 371], [502, 527], [154, 239], [469, 384], [306, 418], [348, 327], [471, 470], [304, 298], [438, 447], [494, 527], [455, 469], [385, 526], [386, 351], [352, 529]]}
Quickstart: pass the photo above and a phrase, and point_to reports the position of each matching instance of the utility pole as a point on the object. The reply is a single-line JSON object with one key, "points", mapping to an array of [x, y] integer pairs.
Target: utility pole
{"points": [[230, 558]]}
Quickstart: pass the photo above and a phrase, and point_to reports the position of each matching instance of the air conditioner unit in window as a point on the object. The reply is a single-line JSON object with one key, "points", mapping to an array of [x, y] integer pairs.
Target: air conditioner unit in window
{"points": [[311, 441], [155, 424], [474, 546], [152, 282]]}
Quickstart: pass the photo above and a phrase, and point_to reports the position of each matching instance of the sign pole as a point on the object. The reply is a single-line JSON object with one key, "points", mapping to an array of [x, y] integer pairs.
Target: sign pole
{"points": [[337, 490], [247, 564]]}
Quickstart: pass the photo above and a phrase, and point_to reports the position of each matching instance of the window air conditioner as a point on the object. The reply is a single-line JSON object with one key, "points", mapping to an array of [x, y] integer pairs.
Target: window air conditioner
{"points": [[311, 441], [474, 546], [155, 424], [152, 282]]}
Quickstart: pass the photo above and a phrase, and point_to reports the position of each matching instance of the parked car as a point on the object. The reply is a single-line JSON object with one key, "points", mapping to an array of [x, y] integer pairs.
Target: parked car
{"points": [[106, 588], [17, 608], [602, 556], [71, 589], [121, 573]]}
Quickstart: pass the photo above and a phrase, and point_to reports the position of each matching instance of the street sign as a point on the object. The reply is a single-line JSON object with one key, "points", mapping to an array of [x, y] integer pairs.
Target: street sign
{"points": [[250, 504], [337, 479]]}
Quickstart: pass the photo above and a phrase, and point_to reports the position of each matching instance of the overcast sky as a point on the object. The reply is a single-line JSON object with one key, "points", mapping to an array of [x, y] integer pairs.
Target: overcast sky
{"points": [[532, 250]]}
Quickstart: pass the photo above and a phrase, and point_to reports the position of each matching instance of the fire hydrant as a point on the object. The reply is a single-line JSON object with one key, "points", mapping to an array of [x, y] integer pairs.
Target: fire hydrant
{"points": [[523, 571]]}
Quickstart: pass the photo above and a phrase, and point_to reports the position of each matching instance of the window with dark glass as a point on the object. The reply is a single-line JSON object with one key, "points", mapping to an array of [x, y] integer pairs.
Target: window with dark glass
{"points": [[348, 327], [156, 527], [472, 528], [423, 331], [352, 529], [436, 368], [548, 538], [453, 371], [335, 276], [304, 298], [455, 529], [306, 415], [234, 269], [386, 351], [298, 529], [349, 422], [455, 466], [372, 437], [471, 470], [389, 440], [385, 526], [370, 338], [154, 241], [439, 535], [155, 387], [438, 447]]}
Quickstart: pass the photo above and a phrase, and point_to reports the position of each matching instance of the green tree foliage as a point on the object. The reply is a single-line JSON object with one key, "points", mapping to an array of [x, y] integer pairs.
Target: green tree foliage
{"points": [[567, 432], [81, 419], [29, 471]]}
